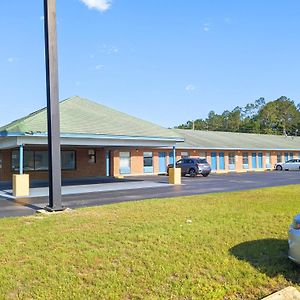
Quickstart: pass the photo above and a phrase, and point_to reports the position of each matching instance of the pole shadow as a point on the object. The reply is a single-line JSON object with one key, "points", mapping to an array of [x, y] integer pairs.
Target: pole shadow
{"points": [[268, 256]]}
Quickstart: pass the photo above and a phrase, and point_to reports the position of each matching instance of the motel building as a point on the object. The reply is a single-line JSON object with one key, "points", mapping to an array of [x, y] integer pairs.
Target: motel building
{"points": [[98, 141]]}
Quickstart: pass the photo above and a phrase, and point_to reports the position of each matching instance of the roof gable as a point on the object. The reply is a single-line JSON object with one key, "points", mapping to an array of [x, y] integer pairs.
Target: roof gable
{"points": [[82, 116]]}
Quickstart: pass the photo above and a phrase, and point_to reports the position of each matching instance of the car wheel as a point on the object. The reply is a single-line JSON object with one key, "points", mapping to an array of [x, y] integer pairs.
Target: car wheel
{"points": [[279, 168], [205, 175], [192, 172]]}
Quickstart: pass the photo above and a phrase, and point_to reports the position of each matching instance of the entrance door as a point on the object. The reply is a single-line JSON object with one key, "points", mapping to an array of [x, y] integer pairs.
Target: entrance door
{"points": [[107, 163], [162, 163], [221, 161], [286, 156], [213, 160], [260, 160], [254, 162]]}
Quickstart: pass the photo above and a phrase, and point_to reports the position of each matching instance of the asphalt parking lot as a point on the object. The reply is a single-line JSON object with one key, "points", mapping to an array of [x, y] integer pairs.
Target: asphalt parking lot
{"points": [[215, 183]]}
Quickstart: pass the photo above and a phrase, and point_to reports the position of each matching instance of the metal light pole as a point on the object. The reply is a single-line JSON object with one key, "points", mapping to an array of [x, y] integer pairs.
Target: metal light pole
{"points": [[54, 157]]}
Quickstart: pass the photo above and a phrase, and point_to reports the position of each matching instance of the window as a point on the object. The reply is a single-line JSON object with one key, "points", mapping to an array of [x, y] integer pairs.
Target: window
{"points": [[268, 160], [201, 161], [28, 163], [245, 160], [41, 160], [148, 162], [28, 160], [92, 156], [68, 160], [15, 163], [231, 160], [202, 154], [184, 154], [279, 157], [38, 160], [124, 163]]}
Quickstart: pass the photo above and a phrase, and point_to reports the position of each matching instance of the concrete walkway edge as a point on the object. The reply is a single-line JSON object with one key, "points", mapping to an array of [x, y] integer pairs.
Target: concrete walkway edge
{"points": [[288, 293]]}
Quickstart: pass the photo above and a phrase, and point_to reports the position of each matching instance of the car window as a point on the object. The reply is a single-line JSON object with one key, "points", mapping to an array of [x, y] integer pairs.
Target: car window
{"points": [[179, 162]]}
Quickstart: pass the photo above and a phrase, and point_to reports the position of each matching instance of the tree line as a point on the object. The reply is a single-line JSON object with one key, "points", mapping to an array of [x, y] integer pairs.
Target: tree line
{"points": [[280, 117]]}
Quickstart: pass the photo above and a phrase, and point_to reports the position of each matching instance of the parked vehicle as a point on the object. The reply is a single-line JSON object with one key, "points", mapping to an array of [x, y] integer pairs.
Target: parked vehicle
{"points": [[292, 164], [192, 166], [294, 240]]}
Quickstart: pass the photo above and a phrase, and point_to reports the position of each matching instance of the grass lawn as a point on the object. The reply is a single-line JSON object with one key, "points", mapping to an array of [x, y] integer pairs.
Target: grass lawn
{"points": [[220, 246]]}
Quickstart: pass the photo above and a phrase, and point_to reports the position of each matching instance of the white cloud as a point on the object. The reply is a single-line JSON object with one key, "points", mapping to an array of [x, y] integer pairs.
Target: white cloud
{"points": [[227, 20], [206, 27], [107, 49], [190, 87], [101, 5], [98, 67], [12, 60]]}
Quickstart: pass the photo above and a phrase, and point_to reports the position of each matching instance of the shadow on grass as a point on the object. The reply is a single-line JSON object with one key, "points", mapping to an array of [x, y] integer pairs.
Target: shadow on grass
{"points": [[268, 256]]}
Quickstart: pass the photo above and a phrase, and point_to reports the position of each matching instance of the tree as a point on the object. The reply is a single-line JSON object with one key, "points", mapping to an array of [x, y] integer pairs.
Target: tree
{"points": [[280, 116]]}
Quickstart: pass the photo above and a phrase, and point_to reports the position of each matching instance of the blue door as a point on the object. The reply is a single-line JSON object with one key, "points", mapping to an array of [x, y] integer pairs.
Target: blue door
{"points": [[260, 160], [291, 155], [221, 161], [107, 162], [214, 161], [171, 158], [254, 162], [286, 156], [162, 162]]}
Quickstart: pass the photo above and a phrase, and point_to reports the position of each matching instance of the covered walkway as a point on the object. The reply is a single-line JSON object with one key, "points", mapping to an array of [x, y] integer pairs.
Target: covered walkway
{"points": [[39, 188]]}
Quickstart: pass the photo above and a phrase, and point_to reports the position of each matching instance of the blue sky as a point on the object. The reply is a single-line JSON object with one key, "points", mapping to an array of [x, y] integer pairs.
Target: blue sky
{"points": [[166, 61]]}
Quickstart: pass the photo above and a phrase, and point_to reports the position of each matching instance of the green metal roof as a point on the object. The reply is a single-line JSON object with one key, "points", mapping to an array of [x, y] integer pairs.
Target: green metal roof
{"points": [[200, 139], [85, 117]]}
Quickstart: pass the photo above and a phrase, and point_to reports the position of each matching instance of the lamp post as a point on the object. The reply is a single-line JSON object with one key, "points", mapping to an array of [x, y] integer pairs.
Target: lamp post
{"points": [[54, 155]]}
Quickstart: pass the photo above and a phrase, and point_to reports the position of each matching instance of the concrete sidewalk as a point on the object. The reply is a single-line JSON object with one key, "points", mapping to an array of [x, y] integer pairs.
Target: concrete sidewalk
{"points": [[87, 188], [288, 293]]}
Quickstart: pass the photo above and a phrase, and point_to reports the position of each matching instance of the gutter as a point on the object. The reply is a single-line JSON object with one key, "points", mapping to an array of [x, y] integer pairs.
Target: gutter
{"points": [[92, 136]]}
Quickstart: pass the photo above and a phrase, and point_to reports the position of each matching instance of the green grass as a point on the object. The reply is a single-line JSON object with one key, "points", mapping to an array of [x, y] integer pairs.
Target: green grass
{"points": [[221, 246]]}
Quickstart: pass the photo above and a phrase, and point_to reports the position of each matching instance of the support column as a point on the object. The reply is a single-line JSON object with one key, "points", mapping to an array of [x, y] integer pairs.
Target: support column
{"points": [[174, 157], [54, 155], [21, 157], [174, 173], [21, 180]]}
